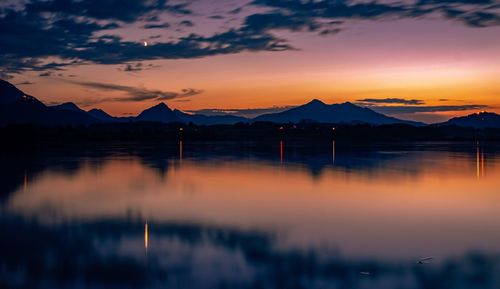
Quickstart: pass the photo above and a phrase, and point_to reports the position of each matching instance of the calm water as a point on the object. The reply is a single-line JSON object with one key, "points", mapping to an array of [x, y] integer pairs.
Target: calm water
{"points": [[273, 215]]}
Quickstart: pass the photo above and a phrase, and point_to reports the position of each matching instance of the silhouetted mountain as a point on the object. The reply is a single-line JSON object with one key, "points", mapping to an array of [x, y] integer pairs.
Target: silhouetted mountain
{"points": [[19, 108], [476, 120], [318, 111], [201, 119], [159, 113], [9, 93]]}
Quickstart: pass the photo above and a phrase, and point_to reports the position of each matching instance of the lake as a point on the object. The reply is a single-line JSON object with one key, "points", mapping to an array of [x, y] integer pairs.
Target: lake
{"points": [[251, 215]]}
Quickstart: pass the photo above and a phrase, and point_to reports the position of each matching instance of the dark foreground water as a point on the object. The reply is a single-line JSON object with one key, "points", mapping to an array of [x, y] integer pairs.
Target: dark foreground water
{"points": [[273, 215]]}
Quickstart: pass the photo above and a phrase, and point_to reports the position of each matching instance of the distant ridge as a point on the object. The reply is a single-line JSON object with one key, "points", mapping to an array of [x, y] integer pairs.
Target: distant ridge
{"points": [[201, 119], [476, 120], [100, 114], [67, 106]]}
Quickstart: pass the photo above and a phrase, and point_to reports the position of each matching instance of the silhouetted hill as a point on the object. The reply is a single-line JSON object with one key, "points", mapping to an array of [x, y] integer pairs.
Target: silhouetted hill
{"points": [[476, 120], [19, 108], [159, 113], [318, 111]]}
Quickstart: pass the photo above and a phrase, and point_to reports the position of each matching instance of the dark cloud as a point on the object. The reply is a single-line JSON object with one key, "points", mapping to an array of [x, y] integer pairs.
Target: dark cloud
{"points": [[236, 10], [5, 76], [45, 74], [217, 17], [132, 68], [368, 101], [126, 11], [75, 32], [157, 25], [25, 83], [73, 40], [480, 13], [277, 20], [138, 93], [186, 23], [410, 109], [139, 66]]}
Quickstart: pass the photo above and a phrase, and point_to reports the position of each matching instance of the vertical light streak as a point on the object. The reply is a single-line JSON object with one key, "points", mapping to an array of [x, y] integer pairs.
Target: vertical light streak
{"points": [[146, 237]]}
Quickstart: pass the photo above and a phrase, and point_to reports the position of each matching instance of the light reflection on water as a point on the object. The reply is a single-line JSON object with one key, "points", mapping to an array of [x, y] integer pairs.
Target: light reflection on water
{"points": [[197, 215]]}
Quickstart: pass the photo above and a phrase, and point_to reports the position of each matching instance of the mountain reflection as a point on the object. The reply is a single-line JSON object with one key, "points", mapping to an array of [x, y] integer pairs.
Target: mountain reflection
{"points": [[18, 168], [247, 215]]}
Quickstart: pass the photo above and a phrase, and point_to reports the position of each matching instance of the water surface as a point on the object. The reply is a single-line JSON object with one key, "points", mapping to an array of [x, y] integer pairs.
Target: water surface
{"points": [[241, 215]]}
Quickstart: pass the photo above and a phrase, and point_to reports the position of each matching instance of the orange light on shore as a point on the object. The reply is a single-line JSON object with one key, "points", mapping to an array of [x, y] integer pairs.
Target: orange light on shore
{"points": [[146, 237]]}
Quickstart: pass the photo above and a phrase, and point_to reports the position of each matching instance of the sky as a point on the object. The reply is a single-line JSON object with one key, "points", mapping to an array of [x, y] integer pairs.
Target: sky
{"points": [[424, 60]]}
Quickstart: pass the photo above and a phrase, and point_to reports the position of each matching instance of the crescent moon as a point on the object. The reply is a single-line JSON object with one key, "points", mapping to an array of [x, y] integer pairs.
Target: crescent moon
{"points": [[145, 43]]}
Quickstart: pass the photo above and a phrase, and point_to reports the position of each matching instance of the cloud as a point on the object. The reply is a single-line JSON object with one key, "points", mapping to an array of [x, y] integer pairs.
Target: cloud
{"points": [[132, 68], [25, 83], [216, 17], [186, 23], [137, 93], [411, 109], [480, 13], [5, 76], [139, 66], [70, 40], [157, 26], [371, 101], [125, 11], [45, 74]]}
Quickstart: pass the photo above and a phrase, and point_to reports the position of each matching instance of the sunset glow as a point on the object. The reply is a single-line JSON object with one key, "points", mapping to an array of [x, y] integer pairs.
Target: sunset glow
{"points": [[446, 62]]}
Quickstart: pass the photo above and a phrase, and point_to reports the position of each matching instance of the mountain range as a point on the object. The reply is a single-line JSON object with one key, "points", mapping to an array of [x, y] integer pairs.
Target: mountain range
{"points": [[16, 107]]}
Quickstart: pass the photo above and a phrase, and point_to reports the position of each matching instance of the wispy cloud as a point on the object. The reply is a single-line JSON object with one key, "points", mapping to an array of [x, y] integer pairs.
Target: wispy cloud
{"points": [[412, 109], [371, 101], [25, 83], [137, 93]]}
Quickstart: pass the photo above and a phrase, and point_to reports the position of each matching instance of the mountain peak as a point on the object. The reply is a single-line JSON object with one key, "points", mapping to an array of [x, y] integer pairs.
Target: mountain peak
{"points": [[348, 104], [160, 112], [100, 114], [315, 102], [318, 111], [161, 105]]}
